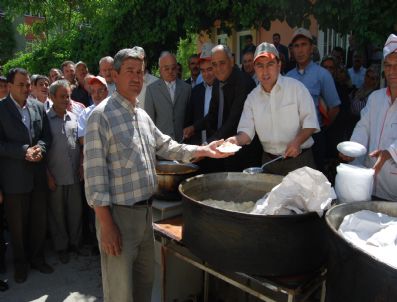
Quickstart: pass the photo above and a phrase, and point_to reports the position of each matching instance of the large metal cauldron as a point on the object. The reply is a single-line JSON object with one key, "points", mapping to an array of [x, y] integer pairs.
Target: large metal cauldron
{"points": [[353, 275], [169, 175], [281, 245]]}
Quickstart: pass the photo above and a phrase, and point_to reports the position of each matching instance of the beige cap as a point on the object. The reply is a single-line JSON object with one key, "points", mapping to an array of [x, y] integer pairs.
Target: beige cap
{"points": [[205, 54], [390, 45], [302, 32], [98, 79], [266, 50]]}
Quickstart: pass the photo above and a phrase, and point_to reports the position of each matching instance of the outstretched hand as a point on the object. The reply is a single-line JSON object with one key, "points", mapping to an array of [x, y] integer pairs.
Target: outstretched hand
{"points": [[211, 150], [382, 156]]}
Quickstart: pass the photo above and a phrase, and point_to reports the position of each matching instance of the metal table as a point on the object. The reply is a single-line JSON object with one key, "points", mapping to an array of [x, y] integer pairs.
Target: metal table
{"points": [[293, 289]]}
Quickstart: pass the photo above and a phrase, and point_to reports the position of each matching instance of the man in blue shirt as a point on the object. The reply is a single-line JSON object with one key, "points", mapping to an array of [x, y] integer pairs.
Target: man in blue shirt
{"points": [[320, 84]]}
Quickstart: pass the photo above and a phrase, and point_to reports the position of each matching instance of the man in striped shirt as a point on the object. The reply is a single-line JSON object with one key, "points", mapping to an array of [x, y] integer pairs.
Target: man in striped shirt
{"points": [[121, 143]]}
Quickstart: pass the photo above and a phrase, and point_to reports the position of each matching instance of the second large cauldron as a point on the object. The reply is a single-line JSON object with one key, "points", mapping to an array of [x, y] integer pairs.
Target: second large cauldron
{"points": [[280, 245], [353, 275]]}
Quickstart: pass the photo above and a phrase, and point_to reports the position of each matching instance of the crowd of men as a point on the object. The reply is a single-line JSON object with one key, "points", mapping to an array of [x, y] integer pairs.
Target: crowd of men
{"points": [[74, 139]]}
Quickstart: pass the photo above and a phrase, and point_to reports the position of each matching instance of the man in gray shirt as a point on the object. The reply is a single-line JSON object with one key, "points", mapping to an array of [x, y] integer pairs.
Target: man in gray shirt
{"points": [[65, 205]]}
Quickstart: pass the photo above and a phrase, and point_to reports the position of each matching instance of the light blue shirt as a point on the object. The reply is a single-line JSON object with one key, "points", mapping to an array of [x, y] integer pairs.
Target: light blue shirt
{"points": [[319, 82], [357, 77], [82, 123]]}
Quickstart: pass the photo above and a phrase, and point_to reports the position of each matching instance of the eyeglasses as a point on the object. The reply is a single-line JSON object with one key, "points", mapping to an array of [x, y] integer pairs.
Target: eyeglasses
{"points": [[99, 91]]}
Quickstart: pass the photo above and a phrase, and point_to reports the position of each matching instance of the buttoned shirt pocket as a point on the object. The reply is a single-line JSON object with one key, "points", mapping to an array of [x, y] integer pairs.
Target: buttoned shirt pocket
{"points": [[128, 152], [71, 134], [393, 169]]}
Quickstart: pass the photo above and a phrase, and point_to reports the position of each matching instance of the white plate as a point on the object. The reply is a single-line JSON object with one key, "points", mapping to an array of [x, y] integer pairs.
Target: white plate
{"points": [[228, 148], [351, 149]]}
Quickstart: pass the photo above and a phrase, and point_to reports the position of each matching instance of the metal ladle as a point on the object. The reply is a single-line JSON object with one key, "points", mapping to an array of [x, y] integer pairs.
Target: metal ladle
{"points": [[257, 170]]}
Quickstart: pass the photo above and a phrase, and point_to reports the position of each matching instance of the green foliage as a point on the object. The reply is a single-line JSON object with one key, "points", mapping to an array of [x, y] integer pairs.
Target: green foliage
{"points": [[90, 29], [369, 20], [43, 56], [7, 40], [186, 48]]}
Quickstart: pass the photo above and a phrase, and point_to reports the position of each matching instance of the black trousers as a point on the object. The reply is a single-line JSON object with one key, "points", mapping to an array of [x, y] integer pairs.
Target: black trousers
{"points": [[26, 215]]}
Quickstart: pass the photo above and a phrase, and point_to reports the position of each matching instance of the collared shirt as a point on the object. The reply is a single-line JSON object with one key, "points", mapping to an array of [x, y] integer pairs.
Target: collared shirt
{"points": [[47, 104], [278, 116], [147, 80], [171, 88], [377, 129], [194, 83], [76, 107], [83, 117], [111, 88], [357, 77], [64, 155], [319, 82], [24, 111], [121, 143]]}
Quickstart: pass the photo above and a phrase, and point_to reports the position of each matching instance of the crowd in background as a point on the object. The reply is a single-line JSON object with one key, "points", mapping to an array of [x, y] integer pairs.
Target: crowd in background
{"points": [[55, 109]]}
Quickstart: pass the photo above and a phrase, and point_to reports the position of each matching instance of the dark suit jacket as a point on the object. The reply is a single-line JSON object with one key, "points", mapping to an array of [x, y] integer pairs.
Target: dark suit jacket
{"points": [[168, 116], [284, 50], [18, 175], [195, 112], [189, 81], [235, 92]]}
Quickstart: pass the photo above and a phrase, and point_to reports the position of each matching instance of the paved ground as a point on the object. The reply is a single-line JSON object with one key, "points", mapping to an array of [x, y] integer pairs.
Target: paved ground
{"points": [[77, 281]]}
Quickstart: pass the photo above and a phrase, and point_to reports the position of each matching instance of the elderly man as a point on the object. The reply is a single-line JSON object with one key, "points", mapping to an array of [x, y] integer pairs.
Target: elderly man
{"points": [[69, 72], [119, 164], [105, 71], [376, 129], [320, 84], [228, 96], [281, 111], [167, 99], [79, 93], [25, 138], [65, 203], [147, 80], [200, 99], [99, 91]]}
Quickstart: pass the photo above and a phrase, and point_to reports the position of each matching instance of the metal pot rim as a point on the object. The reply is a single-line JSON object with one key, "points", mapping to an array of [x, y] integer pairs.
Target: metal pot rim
{"points": [[333, 229], [296, 216], [190, 168]]}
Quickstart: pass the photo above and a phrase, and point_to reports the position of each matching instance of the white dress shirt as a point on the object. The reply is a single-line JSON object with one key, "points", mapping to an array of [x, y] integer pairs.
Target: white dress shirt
{"points": [[377, 129], [278, 116], [207, 102], [25, 115], [147, 80], [171, 89]]}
